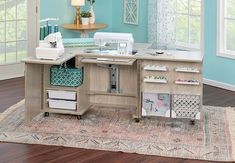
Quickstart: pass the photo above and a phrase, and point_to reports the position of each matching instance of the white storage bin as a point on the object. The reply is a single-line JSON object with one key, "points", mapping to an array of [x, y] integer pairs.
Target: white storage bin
{"points": [[62, 104], [64, 95]]}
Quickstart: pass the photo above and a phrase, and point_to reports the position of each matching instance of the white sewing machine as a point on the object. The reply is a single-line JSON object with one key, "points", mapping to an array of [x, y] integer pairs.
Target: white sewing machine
{"points": [[121, 43]]}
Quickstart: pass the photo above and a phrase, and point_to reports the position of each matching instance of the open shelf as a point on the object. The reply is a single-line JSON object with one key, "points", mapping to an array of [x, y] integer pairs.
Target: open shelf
{"points": [[111, 94], [187, 70], [127, 62], [187, 83], [155, 68], [51, 87], [160, 81]]}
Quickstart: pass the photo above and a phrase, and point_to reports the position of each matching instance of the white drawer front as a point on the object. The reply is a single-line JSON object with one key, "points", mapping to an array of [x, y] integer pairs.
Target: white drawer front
{"points": [[62, 104], [64, 95]]}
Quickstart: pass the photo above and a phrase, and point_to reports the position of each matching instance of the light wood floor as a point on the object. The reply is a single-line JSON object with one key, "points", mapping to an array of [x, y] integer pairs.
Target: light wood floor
{"points": [[12, 91]]}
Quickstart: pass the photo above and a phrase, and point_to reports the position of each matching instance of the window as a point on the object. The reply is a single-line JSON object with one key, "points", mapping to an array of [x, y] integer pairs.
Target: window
{"points": [[188, 23], [226, 28], [12, 31]]}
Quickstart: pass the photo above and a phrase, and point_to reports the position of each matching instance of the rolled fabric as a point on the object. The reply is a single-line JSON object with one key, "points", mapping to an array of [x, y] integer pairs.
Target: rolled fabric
{"points": [[56, 28], [41, 33], [49, 27], [45, 31]]}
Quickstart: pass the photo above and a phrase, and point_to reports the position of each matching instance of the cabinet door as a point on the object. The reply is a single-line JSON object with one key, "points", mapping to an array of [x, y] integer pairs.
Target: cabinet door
{"points": [[186, 106], [156, 104]]}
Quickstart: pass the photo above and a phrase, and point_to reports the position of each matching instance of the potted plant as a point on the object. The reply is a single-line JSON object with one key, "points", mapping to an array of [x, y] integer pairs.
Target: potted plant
{"points": [[85, 16], [92, 18]]}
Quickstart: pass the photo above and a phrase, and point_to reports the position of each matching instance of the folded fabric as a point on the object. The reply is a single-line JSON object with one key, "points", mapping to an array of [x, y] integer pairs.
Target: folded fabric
{"points": [[78, 42]]}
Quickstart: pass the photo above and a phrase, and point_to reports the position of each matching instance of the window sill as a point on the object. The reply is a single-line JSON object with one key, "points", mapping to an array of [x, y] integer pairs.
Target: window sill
{"points": [[226, 54], [187, 47]]}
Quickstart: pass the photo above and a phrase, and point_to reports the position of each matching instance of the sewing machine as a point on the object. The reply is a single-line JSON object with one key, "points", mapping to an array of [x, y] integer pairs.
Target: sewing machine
{"points": [[114, 43]]}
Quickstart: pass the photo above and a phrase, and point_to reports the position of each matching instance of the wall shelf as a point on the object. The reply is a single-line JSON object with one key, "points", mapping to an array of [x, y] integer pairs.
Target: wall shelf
{"points": [[187, 70], [161, 81], [187, 83], [155, 68]]}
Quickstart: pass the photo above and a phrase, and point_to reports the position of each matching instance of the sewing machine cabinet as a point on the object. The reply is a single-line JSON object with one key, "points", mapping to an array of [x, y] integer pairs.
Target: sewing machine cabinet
{"points": [[149, 86]]}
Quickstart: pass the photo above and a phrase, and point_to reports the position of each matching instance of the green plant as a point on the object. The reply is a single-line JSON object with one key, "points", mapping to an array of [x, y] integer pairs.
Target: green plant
{"points": [[91, 1], [85, 14]]}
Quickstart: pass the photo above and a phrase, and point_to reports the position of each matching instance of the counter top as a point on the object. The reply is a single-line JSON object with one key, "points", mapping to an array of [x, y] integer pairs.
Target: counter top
{"points": [[143, 54]]}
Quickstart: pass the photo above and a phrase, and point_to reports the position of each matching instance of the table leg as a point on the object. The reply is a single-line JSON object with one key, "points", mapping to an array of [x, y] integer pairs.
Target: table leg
{"points": [[84, 34]]}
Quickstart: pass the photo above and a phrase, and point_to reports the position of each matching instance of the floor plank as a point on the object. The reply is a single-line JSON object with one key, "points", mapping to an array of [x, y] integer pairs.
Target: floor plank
{"points": [[12, 91]]}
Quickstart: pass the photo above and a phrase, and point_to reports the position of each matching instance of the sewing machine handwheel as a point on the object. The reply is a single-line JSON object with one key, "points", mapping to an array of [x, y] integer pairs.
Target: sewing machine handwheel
{"points": [[46, 114], [137, 120], [79, 117]]}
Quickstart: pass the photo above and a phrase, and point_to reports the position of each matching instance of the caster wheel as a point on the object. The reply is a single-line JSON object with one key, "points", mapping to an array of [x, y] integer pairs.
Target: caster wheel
{"points": [[192, 122], [79, 117], [46, 114], [137, 120]]}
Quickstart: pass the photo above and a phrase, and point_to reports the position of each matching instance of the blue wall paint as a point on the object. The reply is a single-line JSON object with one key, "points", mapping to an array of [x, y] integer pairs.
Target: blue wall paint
{"points": [[65, 12], [139, 31], [215, 68], [111, 12]]}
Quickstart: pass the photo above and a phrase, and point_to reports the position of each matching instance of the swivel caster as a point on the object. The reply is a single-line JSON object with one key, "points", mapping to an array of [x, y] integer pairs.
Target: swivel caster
{"points": [[46, 114], [79, 117], [137, 120], [192, 122]]}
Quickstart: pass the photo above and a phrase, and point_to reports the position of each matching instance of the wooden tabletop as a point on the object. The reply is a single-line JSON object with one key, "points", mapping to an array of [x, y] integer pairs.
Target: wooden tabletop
{"points": [[81, 27]]}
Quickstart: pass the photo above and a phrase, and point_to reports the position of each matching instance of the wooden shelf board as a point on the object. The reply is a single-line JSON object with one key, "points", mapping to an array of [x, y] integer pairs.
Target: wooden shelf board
{"points": [[187, 83], [127, 62], [155, 81], [187, 71], [111, 94]]}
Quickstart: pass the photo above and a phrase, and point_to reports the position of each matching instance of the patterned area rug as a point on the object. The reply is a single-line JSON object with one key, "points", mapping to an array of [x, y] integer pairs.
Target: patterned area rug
{"points": [[113, 129]]}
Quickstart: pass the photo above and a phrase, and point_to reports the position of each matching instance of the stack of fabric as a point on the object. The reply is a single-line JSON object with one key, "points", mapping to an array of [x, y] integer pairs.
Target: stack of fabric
{"points": [[78, 42]]}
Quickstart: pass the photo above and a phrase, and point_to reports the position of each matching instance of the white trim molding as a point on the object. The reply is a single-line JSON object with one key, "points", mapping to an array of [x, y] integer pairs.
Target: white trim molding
{"points": [[15, 71], [222, 51], [219, 84]]}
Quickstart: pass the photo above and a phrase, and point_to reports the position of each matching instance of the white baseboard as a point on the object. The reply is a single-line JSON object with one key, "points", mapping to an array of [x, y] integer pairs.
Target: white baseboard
{"points": [[219, 84], [11, 71]]}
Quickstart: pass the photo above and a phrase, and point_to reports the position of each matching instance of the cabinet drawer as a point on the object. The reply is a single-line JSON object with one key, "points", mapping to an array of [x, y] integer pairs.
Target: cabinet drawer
{"points": [[64, 95], [62, 104]]}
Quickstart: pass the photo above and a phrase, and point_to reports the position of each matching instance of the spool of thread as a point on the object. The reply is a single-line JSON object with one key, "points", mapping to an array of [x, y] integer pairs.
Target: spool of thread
{"points": [[49, 27], [45, 31], [56, 28], [41, 33]]}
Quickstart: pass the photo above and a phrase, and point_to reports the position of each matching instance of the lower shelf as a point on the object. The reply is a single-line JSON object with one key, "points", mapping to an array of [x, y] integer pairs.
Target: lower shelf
{"points": [[62, 104], [60, 111], [160, 81]]}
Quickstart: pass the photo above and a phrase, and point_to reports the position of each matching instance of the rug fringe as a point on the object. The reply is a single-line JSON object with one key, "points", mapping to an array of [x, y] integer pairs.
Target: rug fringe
{"points": [[10, 110], [231, 126]]}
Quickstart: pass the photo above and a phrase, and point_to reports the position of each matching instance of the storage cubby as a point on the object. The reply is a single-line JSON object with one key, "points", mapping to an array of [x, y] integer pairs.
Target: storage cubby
{"points": [[156, 104], [187, 82], [155, 68], [155, 79], [186, 106], [187, 70], [181, 81]]}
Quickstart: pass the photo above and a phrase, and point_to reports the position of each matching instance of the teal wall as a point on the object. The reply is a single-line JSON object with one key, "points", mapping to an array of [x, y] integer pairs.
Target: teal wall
{"points": [[215, 68], [139, 31], [111, 12], [65, 12]]}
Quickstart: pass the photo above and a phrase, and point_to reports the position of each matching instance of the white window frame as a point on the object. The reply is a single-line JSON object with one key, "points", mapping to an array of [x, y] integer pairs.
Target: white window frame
{"points": [[8, 71], [186, 46], [221, 43]]}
